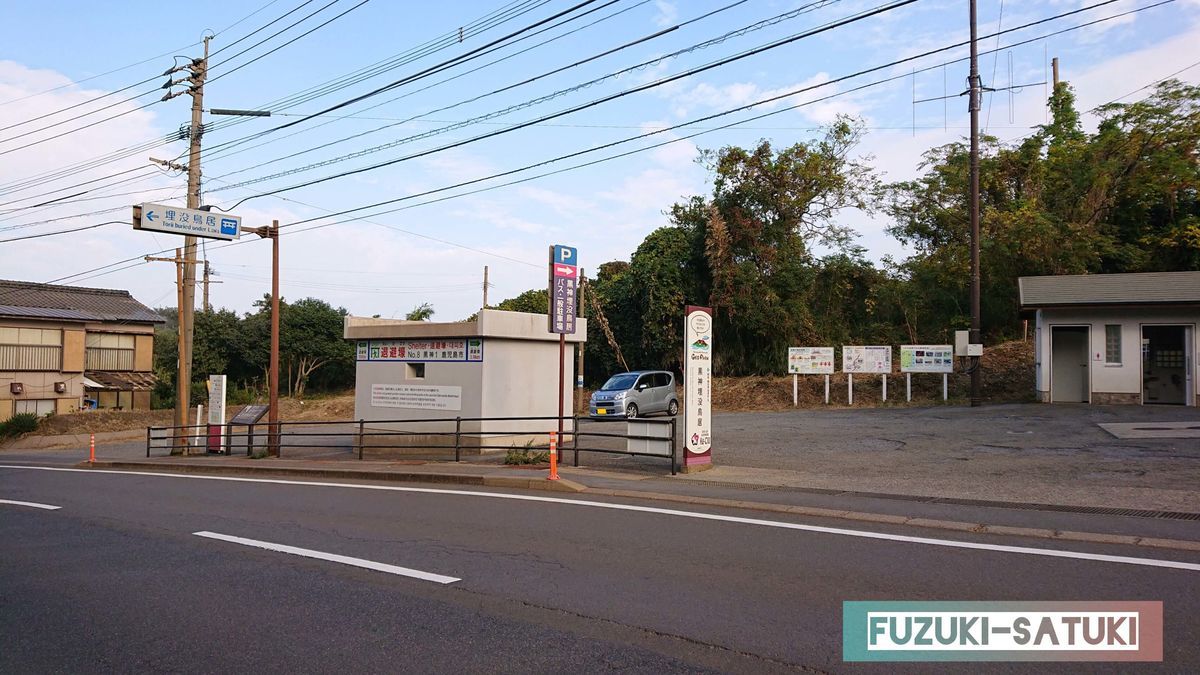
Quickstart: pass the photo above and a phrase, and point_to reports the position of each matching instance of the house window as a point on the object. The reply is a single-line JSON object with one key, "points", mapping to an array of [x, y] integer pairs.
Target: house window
{"points": [[40, 407], [1112, 344], [30, 349], [109, 351], [415, 371]]}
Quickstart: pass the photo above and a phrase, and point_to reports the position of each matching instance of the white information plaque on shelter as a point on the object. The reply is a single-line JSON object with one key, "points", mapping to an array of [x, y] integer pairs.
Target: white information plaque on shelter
{"points": [[927, 358], [416, 396], [810, 360], [190, 222], [867, 359]]}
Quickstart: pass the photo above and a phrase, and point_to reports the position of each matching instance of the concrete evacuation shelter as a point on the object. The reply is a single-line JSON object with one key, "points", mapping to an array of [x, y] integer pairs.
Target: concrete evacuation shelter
{"points": [[503, 364], [1116, 338]]}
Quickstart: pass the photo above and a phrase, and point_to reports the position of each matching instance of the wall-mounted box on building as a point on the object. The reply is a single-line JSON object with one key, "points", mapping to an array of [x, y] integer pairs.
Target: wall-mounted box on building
{"points": [[16, 388]]}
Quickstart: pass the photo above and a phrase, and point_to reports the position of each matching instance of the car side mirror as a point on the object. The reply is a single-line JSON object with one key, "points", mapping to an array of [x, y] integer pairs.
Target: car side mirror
{"points": [[641, 387]]}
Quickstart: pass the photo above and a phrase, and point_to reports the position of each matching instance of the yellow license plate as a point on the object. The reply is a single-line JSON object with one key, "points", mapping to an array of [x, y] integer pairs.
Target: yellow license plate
{"points": [[601, 411]]}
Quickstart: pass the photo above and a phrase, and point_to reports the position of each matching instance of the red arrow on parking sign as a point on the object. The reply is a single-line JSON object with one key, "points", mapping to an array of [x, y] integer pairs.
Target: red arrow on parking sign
{"points": [[564, 271]]}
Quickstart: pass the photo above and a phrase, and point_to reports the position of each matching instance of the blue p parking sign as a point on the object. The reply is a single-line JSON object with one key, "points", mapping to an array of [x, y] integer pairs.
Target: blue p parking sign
{"points": [[566, 255]]}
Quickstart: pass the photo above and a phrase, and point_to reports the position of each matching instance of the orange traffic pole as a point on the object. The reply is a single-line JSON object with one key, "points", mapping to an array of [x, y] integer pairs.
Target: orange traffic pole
{"points": [[553, 457], [92, 452]]}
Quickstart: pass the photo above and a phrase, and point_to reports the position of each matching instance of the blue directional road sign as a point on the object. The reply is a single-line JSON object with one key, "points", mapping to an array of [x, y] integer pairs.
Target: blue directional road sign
{"points": [[193, 222]]}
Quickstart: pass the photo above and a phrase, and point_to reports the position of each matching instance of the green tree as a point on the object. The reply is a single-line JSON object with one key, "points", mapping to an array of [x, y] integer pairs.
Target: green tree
{"points": [[422, 312]]}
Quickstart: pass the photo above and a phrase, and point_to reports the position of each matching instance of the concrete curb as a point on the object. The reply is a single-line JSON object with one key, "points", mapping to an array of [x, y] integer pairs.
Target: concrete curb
{"points": [[565, 485], [519, 482]]}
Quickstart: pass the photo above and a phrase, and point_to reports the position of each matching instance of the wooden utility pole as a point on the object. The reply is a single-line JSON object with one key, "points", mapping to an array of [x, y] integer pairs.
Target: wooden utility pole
{"points": [[273, 413], [485, 285], [178, 260], [207, 273], [975, 95], [1054, 68], [187, 307]]}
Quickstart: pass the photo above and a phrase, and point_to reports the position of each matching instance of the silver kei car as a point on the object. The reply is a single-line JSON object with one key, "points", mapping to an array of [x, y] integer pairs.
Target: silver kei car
{"points": [[635, 393]]}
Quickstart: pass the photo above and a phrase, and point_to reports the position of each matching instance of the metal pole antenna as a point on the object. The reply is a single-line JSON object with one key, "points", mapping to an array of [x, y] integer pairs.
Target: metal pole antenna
{"points": [[975, 92], [187, 309]]}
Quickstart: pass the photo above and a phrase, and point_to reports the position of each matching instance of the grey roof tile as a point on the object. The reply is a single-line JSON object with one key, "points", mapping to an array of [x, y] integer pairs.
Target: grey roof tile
{"points": [[72, 303], [1146, 288]]}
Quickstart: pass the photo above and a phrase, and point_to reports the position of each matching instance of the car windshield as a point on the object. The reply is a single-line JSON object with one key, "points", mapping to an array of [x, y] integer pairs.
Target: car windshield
{"points": [[620, 382]]}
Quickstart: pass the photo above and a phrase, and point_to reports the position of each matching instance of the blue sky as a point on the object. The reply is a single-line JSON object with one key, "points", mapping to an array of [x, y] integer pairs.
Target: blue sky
{"points": [[387, 263]]}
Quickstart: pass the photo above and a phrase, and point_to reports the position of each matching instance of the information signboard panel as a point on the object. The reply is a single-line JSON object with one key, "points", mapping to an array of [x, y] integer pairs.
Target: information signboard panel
{"points": [[927, 358], [876, 360], [810, 360], [416, 396]]}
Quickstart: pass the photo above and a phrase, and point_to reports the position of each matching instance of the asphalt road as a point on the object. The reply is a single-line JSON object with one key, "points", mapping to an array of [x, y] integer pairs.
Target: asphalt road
{"points": [[116, 580]]}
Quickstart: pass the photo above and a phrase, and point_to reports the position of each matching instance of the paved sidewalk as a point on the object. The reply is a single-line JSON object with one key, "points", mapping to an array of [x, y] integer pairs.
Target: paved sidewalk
{"points": [[1035, 466]]}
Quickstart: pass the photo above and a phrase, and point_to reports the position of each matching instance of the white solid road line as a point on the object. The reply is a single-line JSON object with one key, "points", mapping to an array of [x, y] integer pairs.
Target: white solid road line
{"points": [[333, 557], [862, 534], [34, 505]]}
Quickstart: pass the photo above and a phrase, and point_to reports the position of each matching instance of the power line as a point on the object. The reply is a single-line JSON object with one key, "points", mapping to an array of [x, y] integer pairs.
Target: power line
{"points": [[487, 22], [242, 141], [643, 149], [605, 99], [541, 99]]}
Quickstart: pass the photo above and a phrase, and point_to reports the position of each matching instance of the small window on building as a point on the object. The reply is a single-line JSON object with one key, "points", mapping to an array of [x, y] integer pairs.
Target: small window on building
{"points": [[1112, 344], [39, 407], [415, 371]]}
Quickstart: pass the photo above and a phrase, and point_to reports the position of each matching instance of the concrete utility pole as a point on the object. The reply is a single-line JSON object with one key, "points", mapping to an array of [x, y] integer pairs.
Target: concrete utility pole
{"points": [[975, 95], [1054, 67], [485, 285]]}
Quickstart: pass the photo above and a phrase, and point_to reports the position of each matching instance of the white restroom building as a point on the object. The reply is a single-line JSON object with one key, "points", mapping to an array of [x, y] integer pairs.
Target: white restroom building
{"points": [[1115, 338]]}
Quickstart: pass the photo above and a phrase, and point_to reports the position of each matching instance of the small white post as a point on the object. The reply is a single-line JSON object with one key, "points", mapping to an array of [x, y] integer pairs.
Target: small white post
{"points": [[795, 389], [826, 390], [945, 386], [199, 416], [885, 387], [850, 388], [908, 387]]}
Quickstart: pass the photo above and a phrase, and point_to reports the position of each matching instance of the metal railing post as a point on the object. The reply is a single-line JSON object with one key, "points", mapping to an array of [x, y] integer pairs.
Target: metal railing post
{"points": [[250, 440], [228, 440], [458, 439], [575, 438], [673, 447], [149, 430], [360, 439]]}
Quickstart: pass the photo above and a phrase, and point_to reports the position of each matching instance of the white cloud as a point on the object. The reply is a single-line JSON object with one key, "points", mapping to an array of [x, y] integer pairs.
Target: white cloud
{"points": [[667, 14]]}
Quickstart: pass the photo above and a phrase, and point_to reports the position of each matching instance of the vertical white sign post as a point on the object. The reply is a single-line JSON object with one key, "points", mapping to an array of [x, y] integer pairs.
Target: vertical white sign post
{"points": [[826, 390], [795, 389], [908, 387], [216, 413], [697, 365]]}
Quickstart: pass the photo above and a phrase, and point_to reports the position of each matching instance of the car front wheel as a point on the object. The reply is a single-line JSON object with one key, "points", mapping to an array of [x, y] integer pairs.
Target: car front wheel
{"points": [[673, 408], [631, 410]]}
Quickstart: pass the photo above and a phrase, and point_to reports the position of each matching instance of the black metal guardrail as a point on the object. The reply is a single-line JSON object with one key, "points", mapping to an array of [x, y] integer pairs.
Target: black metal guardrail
{"points": [[363, 434]]}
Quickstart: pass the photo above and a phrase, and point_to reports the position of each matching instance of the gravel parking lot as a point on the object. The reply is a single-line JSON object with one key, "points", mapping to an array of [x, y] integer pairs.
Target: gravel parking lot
{"points": [[1031, 453]]}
